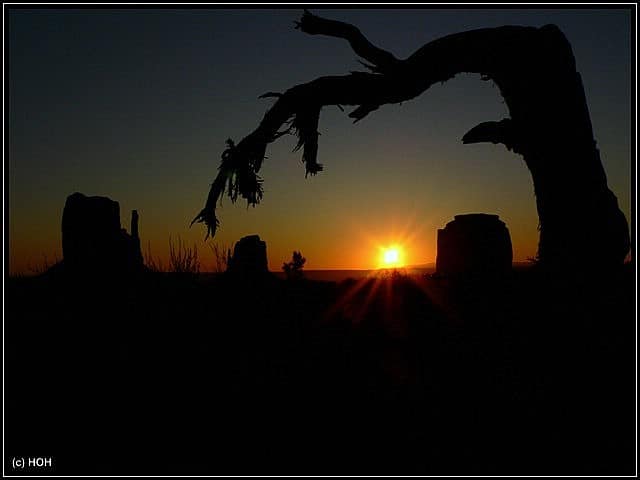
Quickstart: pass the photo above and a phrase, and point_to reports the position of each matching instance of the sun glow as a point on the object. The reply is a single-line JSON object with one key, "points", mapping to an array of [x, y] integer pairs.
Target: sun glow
{"points": [[391, 257], [391, 246]]}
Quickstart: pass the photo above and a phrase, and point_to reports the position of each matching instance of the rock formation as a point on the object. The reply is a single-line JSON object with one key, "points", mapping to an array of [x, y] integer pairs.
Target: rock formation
{"points": [[249, 257], [93, 240], [474, 244]]}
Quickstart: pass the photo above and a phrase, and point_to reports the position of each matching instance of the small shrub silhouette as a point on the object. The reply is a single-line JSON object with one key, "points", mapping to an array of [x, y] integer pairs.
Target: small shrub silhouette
{"points": [[293, 269], [154, 264], [221, 256], [183, 259], [43, 266]]}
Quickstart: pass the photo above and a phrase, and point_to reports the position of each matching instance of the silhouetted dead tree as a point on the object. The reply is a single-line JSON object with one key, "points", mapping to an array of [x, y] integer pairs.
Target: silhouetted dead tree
{"points": [[549, 125]]}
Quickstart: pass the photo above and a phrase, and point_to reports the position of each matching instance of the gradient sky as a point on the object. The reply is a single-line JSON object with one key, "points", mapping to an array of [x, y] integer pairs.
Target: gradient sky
{"points": [[136, 105]]}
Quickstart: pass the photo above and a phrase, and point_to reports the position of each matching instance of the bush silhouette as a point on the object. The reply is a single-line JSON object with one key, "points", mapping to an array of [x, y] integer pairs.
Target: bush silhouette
{"points": [[293, 269], [183, 259]]}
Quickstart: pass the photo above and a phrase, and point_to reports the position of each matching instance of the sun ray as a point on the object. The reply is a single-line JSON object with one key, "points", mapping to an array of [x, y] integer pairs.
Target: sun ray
{"points": [[347, 297], [371, 295]]}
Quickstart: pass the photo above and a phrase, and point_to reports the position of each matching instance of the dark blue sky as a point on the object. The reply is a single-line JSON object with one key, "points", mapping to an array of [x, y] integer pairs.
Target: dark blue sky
{"points": [[137, 104]]}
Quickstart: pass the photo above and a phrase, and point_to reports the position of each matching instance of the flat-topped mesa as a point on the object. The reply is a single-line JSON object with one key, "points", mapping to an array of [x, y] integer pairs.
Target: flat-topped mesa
{"points": [[249, 257], [472, 245], [93, 240]]}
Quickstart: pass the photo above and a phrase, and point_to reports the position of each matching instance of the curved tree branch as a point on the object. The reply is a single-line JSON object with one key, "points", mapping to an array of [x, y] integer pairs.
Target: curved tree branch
{"points": [[495, 132], [382, 60], [299, 107]]}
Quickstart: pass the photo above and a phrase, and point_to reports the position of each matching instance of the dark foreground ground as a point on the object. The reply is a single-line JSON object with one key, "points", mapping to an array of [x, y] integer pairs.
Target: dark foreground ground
{"points": [[170, 374]]}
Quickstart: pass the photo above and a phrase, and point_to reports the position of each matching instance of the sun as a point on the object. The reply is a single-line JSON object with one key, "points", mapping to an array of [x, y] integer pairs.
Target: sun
{"points": [[391, 257]]}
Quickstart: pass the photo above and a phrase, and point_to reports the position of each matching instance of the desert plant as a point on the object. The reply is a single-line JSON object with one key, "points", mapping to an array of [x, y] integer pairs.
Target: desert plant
{"points": [[152, 263], [42, 267], [183, 259], [221, 256], [293, 269]]}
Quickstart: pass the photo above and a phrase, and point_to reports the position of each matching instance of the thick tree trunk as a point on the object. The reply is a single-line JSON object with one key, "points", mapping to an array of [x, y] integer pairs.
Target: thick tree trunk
{"points": [[549, 125], [580, 222]]}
